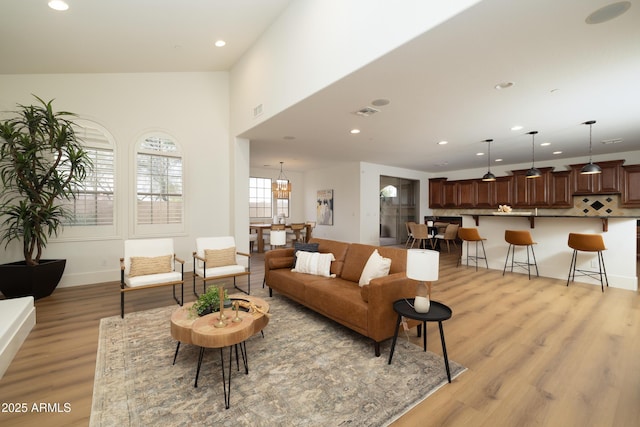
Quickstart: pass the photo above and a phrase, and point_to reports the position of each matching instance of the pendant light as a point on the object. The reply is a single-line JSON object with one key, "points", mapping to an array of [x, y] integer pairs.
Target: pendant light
{"points": [[489, 176], [282, 187], [590, 168], [533, 172]]}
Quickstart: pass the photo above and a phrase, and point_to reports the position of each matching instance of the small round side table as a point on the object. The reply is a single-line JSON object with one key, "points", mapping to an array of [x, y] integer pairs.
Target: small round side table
{"points": [[438, 312]]}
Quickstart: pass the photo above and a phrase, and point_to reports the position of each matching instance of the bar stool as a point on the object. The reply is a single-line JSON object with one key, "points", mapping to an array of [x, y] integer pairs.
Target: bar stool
{"points": [[587, 243], [520, 238], [472, 235]]}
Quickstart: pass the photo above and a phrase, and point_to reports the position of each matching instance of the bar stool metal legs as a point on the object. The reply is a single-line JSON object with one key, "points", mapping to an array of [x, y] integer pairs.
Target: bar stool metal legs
{"points": [[471, 235], [520, 238], [526, 265]]}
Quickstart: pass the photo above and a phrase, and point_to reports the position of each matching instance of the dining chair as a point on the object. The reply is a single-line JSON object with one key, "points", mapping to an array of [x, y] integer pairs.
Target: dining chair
{"points": [[420, 234], [450, 234], [409, 233]]}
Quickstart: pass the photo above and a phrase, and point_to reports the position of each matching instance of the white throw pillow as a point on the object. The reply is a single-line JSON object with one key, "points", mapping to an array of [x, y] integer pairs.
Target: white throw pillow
{"points": [[377, 266], [314, 263]]}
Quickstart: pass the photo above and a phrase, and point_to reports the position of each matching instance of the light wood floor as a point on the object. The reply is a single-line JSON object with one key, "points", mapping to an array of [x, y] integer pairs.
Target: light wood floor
{"points": [[537, 352]]}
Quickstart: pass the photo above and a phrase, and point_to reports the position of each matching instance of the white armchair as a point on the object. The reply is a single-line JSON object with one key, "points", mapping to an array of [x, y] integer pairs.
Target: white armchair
{"points": [[216, 258], [150, 263]]}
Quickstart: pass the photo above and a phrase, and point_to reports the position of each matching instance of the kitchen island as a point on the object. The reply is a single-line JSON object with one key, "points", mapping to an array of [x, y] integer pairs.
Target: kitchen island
{"points": [[551, 234]]}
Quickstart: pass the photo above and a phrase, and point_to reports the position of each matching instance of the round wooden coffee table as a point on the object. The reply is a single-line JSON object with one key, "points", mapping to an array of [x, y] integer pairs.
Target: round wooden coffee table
{"points": [[187, 327], [182, 319]]}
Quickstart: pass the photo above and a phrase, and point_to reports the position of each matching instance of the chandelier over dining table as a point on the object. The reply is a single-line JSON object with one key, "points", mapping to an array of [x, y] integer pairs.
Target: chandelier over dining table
{"points": [[281, 188]]}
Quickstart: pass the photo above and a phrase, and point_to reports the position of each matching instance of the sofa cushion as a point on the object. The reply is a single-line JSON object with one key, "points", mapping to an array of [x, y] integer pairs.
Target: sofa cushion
{"points": [[281, 262], [302, 246], [307, 247], [314, 263], [338, 249], [376, 266], [398, 258], [356, 259], [340, 300]]}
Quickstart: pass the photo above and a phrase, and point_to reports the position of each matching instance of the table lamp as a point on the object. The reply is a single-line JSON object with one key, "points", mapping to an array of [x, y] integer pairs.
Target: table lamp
{"points": [[423, 265]]}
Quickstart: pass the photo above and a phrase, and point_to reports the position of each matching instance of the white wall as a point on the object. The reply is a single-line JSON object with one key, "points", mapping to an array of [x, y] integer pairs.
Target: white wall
{"points": [[344, 180], [192, 107], [297, 56], [356, 194]]}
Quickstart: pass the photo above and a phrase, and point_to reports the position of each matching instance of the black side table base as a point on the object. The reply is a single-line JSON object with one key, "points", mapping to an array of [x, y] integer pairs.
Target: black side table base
{"points": [[437, 313]]}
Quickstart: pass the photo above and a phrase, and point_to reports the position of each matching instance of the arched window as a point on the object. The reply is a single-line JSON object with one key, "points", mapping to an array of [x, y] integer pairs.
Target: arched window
{"points": [[95, 198], [159, 191]]}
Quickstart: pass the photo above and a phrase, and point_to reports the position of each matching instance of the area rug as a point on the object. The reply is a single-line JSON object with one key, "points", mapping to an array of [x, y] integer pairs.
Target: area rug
{"points": [[305, 371]]}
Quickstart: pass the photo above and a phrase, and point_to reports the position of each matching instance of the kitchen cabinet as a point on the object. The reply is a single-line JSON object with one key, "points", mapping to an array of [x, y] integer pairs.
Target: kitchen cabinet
{"points": [[630, 186], [607, 182], [531, 192], [560, 190]]}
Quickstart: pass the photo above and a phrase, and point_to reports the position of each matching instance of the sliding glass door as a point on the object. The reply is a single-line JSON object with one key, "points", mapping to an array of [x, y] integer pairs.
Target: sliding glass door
{"points": [[398, 204]]}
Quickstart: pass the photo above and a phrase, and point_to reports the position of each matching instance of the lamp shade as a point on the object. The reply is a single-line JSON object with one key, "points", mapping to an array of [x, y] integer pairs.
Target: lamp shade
{"points": [[489, 177], [423, 264], [590, 168]]}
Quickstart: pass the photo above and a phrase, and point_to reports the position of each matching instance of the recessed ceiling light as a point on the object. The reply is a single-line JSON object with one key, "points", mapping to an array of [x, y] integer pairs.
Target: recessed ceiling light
{"points": [[220, 43], [545, 144], [381, 102], [443, 142], [608, 12], [516, 127], [557, 152], [479, 154], [498, 160], [355, 131], [504, 85], [58, 5]]}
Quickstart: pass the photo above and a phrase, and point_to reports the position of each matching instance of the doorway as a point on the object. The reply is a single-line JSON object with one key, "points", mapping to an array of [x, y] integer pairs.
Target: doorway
{"points": [[398, 204]]}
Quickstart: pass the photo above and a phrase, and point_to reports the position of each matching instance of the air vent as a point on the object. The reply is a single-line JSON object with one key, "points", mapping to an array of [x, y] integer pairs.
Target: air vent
{"points": [[611, 141], [257, 110], [366, 111]]}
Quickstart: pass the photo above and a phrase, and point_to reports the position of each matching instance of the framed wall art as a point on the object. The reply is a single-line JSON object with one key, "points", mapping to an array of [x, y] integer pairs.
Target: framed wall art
{"points": [[324, 207]]}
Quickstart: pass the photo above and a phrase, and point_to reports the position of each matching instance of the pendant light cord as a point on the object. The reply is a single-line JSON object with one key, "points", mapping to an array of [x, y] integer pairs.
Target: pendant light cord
{"points": [[590, 134]]}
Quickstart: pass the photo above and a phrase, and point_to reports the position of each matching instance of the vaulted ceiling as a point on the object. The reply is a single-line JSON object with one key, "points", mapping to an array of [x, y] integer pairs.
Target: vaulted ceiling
{"points": [[440, 86]]}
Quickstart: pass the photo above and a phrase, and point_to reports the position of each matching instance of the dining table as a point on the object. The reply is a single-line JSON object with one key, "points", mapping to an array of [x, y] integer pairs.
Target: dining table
{"points": [[261, 227]]}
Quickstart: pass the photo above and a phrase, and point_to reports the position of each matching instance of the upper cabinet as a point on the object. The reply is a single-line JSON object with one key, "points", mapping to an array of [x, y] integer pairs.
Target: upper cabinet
{"points": [[560, 190], [436, 192], [607, 182], [551, 190], [531, 192], [631, 186]]}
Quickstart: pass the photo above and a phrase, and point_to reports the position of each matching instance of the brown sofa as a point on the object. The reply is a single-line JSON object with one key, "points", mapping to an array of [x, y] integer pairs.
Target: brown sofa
{"points": [[367, 310]]}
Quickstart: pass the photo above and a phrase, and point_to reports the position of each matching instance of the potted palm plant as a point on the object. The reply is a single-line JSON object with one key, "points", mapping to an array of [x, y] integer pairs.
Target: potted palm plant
{"points": [[42, 164]]}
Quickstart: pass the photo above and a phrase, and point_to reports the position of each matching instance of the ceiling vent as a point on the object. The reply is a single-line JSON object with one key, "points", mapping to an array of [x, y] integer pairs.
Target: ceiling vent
{"points": [[611, 141], [366, 111]]}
